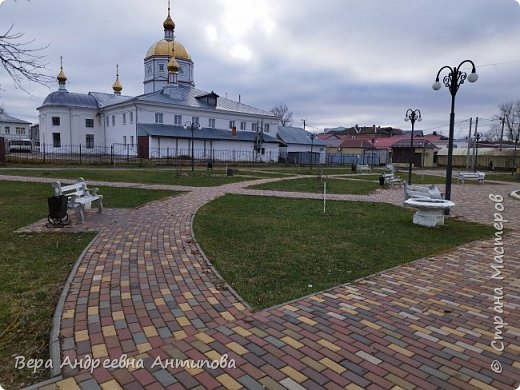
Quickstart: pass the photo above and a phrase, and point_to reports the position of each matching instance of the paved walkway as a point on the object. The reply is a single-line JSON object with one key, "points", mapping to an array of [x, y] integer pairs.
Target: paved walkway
{"points": [[144, 289]]}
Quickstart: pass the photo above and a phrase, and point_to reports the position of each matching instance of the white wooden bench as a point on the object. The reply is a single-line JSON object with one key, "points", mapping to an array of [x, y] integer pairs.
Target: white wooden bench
{"points": [[479, 176], [391, 180], [363, 168], [80, 198], [413, 191]]}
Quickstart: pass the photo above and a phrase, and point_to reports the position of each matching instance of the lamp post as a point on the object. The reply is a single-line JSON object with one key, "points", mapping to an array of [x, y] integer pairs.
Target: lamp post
{"points": [[192, 126], [477, 139], [312, 136], [412, 116], [453, 80]]}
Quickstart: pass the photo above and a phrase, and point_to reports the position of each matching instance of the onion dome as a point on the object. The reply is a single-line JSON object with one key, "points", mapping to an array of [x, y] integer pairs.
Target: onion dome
{"points": [[117, 87]]}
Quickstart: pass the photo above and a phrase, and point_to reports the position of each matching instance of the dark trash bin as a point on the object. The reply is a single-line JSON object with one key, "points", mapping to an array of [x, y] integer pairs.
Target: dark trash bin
{"points": [[210, 165], [229, 172], [57, 211], [354, 166], [382, 180]]}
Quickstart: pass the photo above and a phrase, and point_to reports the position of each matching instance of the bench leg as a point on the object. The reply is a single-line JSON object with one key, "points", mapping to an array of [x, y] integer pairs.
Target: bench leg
{"points": [[100, 205], [80, 212]]}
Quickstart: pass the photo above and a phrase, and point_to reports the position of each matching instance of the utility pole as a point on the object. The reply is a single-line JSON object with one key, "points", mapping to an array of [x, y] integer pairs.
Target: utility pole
{"points": [[469, 143], [502, 132], [475, 145]]}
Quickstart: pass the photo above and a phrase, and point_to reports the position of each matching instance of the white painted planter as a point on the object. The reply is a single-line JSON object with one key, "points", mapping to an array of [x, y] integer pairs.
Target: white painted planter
{"points": [[515, 194], [430, 212]]}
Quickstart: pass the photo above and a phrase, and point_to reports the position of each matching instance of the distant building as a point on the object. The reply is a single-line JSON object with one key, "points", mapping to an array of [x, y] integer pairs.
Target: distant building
{"points": [[12, 128], [300, 146]]}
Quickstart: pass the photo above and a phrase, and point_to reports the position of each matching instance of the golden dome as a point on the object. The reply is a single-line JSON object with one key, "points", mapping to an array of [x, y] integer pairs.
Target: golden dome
{"points": [[169, 24], [117, 87], [61, 76], [164, 48], [173, 65]]}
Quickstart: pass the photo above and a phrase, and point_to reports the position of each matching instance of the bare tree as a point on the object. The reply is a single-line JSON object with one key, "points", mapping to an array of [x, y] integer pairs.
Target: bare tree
{"points": [[281, 111], [21, 60], [510, 112]]}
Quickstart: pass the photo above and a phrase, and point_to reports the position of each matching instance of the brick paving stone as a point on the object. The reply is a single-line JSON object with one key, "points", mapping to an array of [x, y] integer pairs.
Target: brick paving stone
{"points": [[142, 287]]}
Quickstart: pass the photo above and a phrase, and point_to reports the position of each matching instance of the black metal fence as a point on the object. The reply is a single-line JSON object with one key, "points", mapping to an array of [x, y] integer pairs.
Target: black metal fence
{"points": [[120, 154], [117, 154]]}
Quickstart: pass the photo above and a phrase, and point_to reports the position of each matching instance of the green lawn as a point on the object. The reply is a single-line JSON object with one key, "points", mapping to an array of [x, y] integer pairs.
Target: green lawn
{"points": [[314, 184], [274, 250], [502, 176], [200, 178], [34, 268]]}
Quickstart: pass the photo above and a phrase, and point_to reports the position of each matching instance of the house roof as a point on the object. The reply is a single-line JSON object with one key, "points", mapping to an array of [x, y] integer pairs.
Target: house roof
{"points": [[180, 95], [417, 143], [332, 142], [4, 118], [186, 95], [69, 99], [356, 143], [161, 130], [296, 135]]}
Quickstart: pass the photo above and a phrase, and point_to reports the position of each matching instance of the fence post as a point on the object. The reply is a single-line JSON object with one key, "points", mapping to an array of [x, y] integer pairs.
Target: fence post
{"points": [[79, 154], [111, 154], [127, 153], [44, 152]]}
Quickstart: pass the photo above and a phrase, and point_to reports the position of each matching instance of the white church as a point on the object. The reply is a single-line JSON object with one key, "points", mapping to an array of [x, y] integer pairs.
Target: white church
{"points": [[164, 120]]}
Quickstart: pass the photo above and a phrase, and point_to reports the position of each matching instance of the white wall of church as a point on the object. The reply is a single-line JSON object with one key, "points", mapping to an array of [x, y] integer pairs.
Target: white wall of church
{"points": [[61, 128]]}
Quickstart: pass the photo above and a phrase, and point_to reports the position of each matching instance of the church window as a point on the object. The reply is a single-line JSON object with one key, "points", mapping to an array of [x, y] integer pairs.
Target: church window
{"points": [[89, 122], [131, 117], [124, 140], [158, 117], [56, 140], [177, 120], [161, 67], [89, 141], [113, 120], [7, 129], [195, 120], [20, 130], [254, 126], [55, 120], [149, 70], [124, 118], [243, 125], [107, 121], [266, 127], [132, 140], [212, 123], [231, 124]]}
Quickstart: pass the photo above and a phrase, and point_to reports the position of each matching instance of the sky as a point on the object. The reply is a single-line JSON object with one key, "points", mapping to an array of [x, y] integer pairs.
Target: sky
{"points": [[332, 62]]}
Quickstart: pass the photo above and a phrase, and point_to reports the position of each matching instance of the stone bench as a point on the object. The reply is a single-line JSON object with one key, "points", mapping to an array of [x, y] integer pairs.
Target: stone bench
{"points": [[413, 191], [360, 168], [80, 198], [479, 176], [390, 180]]}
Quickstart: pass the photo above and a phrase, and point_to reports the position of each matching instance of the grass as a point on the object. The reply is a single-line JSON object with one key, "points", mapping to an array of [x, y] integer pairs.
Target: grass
{"points": [[33, 270], [502, 176], [314, 184], [200, 178], [274, 250]]}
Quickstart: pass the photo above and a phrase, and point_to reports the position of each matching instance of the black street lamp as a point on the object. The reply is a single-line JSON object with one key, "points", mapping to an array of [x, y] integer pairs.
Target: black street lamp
{"points": [[453, 80], [192, 126], [312, 136], [477, 139], [412, 116]]}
